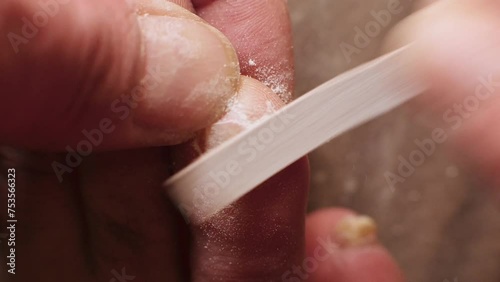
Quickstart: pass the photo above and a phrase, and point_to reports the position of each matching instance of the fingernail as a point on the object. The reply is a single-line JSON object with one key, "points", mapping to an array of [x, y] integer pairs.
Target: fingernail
{"points": [[355, 231], [193, 72]]}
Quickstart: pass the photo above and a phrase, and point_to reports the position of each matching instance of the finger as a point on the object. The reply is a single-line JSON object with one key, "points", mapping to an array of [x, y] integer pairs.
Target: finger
{"points": [[131, 226], [261, 235], [261, 33], [113, 81], [341, 246], [458, 56]]}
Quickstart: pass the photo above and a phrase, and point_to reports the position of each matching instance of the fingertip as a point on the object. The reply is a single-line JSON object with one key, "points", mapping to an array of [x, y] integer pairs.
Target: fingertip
{"points": [[195, 72], [253, 101], [341, 246]]}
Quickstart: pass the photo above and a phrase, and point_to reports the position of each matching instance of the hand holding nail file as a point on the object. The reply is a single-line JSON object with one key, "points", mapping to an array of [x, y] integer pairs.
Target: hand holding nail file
{"points": [[228, 172]]}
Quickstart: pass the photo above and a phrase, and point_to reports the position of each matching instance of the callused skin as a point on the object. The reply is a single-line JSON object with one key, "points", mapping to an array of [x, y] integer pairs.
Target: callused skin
{"points": [[265, 228]]}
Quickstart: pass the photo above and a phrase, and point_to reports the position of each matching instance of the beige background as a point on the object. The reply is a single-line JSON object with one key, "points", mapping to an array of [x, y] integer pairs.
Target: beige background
{"points": [[440, 224]]}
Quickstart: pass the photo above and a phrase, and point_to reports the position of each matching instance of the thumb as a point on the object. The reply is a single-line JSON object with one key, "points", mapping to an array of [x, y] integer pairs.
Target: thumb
{"points": [[96, 70], [458, 55]]}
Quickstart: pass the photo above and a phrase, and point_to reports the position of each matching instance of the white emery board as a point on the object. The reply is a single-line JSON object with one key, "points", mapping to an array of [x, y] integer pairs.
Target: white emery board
{"points": [[226, 173]]}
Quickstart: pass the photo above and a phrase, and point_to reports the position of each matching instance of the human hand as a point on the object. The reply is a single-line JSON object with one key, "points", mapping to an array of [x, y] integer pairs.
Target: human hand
{"points": [[102, 216]]}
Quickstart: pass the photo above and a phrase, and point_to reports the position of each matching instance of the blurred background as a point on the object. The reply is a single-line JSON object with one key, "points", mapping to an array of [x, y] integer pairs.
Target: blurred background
{"points": [[441, 223]]}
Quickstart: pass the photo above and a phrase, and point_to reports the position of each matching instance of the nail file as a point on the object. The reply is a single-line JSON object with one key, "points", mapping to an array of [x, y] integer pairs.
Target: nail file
{"points": [[226, 173]]}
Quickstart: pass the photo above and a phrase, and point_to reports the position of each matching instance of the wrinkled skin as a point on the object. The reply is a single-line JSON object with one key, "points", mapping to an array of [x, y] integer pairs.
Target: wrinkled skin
{"points": [[108, 217]]}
